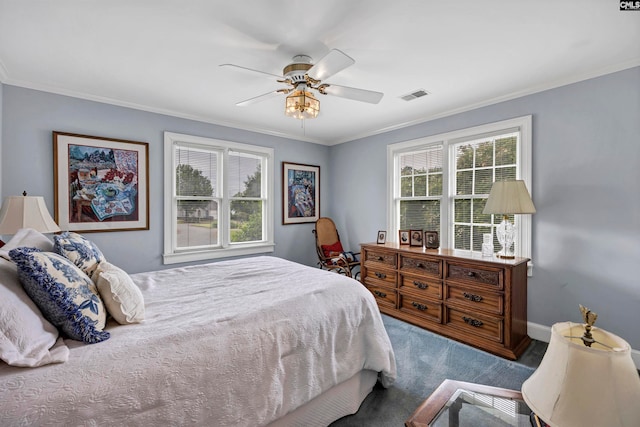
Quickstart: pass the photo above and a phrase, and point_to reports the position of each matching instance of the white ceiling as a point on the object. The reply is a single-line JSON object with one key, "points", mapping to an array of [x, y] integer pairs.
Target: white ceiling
{"points": [[164, 56]]}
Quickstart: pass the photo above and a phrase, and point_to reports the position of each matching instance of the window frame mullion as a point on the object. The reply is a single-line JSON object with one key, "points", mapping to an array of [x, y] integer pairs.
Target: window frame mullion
{"points": [[520, 125], [221, 196]]}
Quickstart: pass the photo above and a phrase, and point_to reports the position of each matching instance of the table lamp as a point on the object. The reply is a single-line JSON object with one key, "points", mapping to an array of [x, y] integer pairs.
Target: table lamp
{"points": [[26, 212], [585, 379], [506, 198]]}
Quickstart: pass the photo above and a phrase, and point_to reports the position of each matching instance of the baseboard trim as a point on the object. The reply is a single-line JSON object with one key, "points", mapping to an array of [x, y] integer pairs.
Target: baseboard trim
{"points": [[543, 333]]}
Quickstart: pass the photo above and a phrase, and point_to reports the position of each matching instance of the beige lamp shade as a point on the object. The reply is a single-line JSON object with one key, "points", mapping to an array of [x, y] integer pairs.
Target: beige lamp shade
{"points": [[509, 197], [577, 386], [26, 212]]}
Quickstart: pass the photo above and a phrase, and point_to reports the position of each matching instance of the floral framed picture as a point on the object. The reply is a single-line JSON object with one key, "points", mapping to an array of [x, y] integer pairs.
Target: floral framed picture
{"points": [[300, 193], [403, 237], [415, 237], [382, 237], [100, 184], [431, 240]]}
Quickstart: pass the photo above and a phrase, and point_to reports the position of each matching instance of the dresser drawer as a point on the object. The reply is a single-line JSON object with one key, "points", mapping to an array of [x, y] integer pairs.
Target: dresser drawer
{"points": [[421, 286], [476, 324], [418, 307], [420, 265], [384, 296], [380, 276], [490, 302], [491, 277], [380, 257]]}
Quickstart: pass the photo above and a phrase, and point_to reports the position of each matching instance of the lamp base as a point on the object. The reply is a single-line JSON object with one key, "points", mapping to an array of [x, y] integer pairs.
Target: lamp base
{"points": [[536, 421], [505, 232]]}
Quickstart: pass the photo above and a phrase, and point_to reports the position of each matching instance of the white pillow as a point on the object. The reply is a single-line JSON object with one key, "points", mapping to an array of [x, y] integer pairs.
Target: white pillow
{"points": [[26, 237], [120, 295], [27, 339]]}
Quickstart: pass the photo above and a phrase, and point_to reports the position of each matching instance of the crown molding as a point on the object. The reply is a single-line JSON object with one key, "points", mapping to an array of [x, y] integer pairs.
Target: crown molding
{"points": [[576, 78], [4, 78]]}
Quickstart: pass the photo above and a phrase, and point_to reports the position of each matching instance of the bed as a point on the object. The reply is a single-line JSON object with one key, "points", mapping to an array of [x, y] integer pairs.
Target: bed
{"points": [[251, 342]]}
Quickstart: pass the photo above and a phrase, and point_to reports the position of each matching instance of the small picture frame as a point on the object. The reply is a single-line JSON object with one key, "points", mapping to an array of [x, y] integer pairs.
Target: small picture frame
{"points": [[415, 237], [300, 193], [403, 237], [382, 237], [431, 240]]}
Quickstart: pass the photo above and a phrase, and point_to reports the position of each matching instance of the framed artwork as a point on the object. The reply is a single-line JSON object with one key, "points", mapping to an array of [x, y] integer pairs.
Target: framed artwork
{"points": [[100, 184], [403, 237], [415, 237], [382, 237], [431, 240], [300, 193]]}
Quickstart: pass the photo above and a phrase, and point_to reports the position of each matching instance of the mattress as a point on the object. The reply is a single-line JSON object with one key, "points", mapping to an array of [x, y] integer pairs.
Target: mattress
{"points": [[233, 343]]}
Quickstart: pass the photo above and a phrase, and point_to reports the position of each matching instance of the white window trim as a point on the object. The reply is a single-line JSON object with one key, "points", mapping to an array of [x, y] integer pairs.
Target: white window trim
{"points": [[523, 124], [171, 255]]}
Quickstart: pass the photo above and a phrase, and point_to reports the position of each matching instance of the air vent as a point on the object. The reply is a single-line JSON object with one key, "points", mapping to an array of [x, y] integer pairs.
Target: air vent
{"points": [[414, 95]]}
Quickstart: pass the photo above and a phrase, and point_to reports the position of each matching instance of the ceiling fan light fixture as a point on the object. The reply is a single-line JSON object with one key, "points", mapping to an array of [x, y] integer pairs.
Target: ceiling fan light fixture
{"points": [[301, 104]]}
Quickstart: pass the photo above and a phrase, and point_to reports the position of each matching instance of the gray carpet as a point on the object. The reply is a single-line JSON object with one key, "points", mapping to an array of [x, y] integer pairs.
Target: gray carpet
{"points": [[424, 360]]}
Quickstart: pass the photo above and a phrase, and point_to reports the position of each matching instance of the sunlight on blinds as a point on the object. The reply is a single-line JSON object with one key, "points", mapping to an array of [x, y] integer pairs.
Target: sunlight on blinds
{"points": [[196, 186], [479, 163], [421, 189], [244, 175]]}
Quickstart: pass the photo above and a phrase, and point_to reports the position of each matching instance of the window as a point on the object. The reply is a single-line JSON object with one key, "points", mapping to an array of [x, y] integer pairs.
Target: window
{"points": [[477, 164], [420, 188], [218, 199], [441, 183]]}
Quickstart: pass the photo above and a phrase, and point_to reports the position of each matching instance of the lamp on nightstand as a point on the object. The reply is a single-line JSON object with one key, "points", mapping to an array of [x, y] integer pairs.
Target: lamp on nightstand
{"points": [[585, 379], [507, 198], [26, 212]]}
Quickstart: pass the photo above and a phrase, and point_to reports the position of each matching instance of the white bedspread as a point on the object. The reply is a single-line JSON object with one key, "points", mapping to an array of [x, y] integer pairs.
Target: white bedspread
{"points": [[234, 343]]}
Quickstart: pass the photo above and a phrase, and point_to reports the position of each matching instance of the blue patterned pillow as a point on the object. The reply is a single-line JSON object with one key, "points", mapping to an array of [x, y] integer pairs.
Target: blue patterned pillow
{"points": [[64, 294], [82, 252]]}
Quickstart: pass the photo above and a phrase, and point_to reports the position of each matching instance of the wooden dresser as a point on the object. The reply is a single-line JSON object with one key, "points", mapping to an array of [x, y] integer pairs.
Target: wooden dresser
{"points": [[477, 300]]}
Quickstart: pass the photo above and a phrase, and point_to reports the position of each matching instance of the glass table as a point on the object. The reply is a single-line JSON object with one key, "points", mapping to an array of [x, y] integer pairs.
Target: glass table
{"points": [[462, 404]]}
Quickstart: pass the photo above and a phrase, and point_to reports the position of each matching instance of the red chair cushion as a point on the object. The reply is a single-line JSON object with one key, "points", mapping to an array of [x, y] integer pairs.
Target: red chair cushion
{"points": [[333, 249]]}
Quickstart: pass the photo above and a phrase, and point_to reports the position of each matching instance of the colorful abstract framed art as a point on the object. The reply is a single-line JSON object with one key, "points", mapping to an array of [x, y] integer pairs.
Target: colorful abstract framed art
{"points": [[300, 193], [100, 184]]}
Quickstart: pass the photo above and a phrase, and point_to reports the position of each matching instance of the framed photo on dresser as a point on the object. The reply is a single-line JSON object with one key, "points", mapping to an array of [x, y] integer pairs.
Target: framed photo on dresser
{"points": [[431, 240], [415, 238], [403, 237]]}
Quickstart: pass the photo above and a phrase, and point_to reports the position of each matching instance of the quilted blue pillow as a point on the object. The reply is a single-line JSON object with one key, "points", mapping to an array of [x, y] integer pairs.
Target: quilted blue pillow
{"points": [[65, 295], [82, 252]]}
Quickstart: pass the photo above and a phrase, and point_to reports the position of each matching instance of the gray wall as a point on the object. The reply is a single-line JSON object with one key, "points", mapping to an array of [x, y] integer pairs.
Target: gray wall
{"points": [[586, 179], [30, 116], [586, 188]]}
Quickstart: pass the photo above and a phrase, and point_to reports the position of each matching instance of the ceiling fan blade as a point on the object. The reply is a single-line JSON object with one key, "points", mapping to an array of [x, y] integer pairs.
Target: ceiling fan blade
{"points": [[259, 98], [330, 64], [264, 73], [362, 95]]}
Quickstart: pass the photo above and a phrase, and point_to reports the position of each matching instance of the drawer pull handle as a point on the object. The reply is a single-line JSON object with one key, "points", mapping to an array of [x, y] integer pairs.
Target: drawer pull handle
{"points": [[472, 322], [380, 294], [420, 285], [420, 265], [472, 297], [380, 275], [380, 258], [471, 274], [420, 307]]}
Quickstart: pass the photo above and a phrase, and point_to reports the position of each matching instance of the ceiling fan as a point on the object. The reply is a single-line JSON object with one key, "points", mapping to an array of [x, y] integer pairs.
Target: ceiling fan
{"points": [[302, 77]]}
